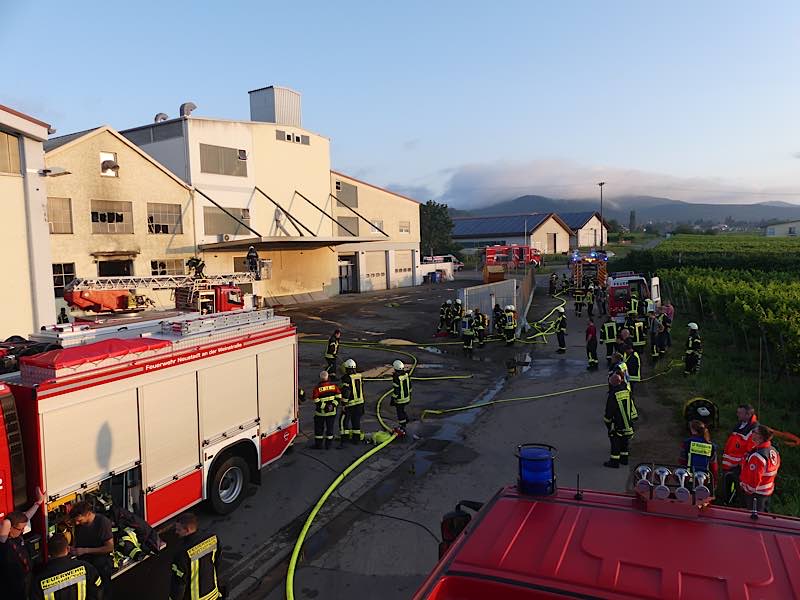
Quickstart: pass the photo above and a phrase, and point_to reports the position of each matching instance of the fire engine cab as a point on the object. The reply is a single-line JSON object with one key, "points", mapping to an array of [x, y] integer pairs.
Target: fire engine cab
{"points": [[623, 284], [513, 256], [157, 415], [589, 267], [534, 541]]}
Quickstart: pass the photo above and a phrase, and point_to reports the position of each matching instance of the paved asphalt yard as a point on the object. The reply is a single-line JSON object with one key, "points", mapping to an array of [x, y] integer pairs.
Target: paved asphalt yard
{"points": [[352, 552]]}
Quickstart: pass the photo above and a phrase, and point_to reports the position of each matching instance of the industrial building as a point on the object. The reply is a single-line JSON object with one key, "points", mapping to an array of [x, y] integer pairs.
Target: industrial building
{"points": [[116, 212], [588, 229], [268, 183], [545, 231], [26, 269]]}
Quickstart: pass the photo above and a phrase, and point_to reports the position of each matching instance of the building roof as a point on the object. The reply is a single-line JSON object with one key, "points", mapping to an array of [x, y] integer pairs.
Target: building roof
{"points": [[577, 220], [21, 115], [57, 142], [372, 185], [487, 226], [64, 141], [784, 223]]}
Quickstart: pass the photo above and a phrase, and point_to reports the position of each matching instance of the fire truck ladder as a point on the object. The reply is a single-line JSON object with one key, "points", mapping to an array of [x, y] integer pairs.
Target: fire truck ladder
{"points": [[158, 282]]}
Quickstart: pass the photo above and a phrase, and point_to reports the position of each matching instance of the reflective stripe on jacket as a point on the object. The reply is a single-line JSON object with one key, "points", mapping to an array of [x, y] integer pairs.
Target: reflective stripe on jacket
{"points": [[759, 469], [326, 398], [401, 388], [333, 348], [609, 332], [63, 578], [194, 569], [634, 365], [353, 389], [738, 444]]}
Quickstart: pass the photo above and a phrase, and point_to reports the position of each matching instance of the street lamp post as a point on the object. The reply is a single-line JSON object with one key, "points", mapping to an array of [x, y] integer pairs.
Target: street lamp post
{"points": [[602, 221]]}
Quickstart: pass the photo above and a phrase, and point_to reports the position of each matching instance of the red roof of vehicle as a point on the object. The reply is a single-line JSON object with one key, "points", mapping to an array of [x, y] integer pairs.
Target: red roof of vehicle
{"points": [[97, 351], [608, 546]]}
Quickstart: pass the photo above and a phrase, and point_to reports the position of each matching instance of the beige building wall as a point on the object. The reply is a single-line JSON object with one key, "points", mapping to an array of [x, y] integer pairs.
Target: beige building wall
{"points": [[783, 229], [17, 316], [590, 233], [139, 182], [540, 236]]}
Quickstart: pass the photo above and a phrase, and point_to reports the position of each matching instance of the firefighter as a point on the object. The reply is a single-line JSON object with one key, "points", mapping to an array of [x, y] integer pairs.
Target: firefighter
{"points": [[64, 578], [510, 324], [619, 367], [619, 416], [561, 330], [663, 331], [94, 540], [353, 399], [401, 392], [564, 283], [623, 336], [553, 283], [252, 262], [444, 311], [480, 327], [15, 561], [326, 398], [698, 452], [498, 319], [638, 334], [591, 345], [331, 352], [694, 350], [468, 333], [738, 444], [455, 316], [759, 469], [63, 317], [633, 364], [608, 336], [633, 303], [589, 300], [579, 294], [652, 334], [195, 564]]}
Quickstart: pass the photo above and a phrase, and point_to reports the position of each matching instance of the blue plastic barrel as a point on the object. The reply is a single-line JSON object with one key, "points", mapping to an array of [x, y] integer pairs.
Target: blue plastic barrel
{"points": [[436, 277], [537, 474]]}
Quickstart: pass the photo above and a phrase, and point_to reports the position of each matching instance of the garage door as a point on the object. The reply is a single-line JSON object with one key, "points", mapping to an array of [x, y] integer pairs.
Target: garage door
{"points": [[375, 271], [403, 275]]}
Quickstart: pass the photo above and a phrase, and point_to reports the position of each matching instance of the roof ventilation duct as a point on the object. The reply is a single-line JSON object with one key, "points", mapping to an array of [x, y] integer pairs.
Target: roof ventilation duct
{"points": [[187, 108]]}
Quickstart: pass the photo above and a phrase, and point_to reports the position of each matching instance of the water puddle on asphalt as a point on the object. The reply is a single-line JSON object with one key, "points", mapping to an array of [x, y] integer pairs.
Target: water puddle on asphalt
{"points": [[432, 349], [548, 367]]}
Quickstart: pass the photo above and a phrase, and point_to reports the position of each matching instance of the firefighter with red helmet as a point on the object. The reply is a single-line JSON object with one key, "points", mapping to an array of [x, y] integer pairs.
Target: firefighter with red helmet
{"points": [[759, 470], [737, 446]]}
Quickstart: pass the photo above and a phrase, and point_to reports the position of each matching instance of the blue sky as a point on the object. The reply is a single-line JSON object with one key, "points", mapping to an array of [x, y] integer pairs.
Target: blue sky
{"points": [[463, 101]]}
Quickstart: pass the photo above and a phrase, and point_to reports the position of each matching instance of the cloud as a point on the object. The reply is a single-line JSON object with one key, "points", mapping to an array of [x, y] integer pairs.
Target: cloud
{"points": [[410, 145], [473, 185], [796, 155], [422, 193]]}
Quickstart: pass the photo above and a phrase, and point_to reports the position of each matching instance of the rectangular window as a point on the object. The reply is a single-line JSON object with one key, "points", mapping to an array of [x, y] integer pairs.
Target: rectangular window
{"points": [[9, 153], [108, 164], [351, 223], [63, 273], [59, 215], [405, 226], [164, 218], [167, 266], [216, 222], [338, 186], [220, 160], [112, 217], [376, 227], [792, 230]]}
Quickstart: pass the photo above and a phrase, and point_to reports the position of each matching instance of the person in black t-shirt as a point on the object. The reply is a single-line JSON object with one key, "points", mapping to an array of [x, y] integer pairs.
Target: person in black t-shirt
{"points": [[94, 541], [15, 562]]}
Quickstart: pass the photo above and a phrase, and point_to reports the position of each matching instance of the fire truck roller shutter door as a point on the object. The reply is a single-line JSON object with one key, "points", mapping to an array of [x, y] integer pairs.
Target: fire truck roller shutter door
{"points": [[227, 394], [86, 437], [375, 270], [277, 377], [168, 417]]}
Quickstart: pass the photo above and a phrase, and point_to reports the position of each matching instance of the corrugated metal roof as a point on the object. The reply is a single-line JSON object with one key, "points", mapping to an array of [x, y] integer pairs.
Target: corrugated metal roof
{"points": [[59, 141], [576, 220], [497, 225]]}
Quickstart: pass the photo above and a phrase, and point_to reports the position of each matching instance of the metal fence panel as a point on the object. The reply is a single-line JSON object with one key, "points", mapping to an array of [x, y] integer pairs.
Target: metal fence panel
{"points": [[487, 295]]}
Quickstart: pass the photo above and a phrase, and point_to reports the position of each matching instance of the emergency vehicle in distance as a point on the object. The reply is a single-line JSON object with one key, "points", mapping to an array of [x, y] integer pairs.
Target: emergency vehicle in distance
{"points": [[531, 542], [156, 414], [512, 256], [591, 265], [444, 258], [622, 284]]}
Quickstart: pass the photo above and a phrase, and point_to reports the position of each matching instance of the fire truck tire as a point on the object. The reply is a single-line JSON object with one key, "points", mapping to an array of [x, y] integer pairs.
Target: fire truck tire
{"points": [[228, 484]]}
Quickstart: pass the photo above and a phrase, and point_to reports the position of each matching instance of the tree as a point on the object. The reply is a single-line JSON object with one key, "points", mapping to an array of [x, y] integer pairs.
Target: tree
{"points": [[436, 229], [632, 221]]}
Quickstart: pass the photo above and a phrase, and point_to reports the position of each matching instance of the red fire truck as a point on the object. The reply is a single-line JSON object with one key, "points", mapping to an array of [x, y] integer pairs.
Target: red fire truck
{"points": [[620, 287], [590, 265], [513, 256], [157, 415], [665, 542]]}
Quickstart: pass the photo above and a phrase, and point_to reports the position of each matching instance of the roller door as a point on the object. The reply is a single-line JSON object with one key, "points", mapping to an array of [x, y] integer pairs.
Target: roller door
{"points": [[85, 442], [276, 386], [227, 395], [375, 271], [403, 268], [168, 414]]}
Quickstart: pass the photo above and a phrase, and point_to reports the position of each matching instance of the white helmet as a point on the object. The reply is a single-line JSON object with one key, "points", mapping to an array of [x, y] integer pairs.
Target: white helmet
{"points": [[560, 309], [398, 365], [349, 364], [458, 300], [449, 301], [512, 307], [693, 326], [469, 312]]}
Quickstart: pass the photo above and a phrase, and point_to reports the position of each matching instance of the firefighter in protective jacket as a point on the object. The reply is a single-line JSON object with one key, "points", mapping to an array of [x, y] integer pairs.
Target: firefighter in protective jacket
{"points": [[331, 352], [759, 470], [694, 350], [353, 400], [561, 330], [619, 417], [737, 446], [401, 392], [194, 566], [326, 398], [63, 578]]}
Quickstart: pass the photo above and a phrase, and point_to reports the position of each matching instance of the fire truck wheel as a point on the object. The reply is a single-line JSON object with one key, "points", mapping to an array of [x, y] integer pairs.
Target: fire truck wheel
{"points": [[228, 484]]}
